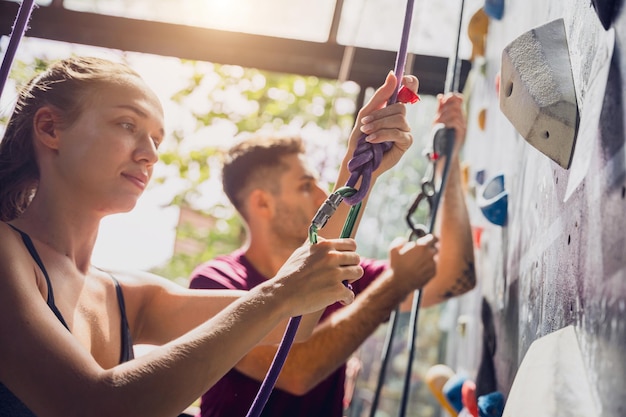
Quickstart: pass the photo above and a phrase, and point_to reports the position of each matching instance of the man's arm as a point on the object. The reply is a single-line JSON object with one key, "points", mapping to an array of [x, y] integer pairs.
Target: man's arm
{"points": [[455, 269], [412, 264]]}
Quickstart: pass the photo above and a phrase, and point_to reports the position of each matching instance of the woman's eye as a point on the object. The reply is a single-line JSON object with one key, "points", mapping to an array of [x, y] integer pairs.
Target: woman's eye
{"points": [[128, 126]]}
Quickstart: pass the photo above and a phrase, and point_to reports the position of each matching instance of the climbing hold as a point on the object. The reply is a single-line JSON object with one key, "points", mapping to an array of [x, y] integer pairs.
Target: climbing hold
{"points": [[436, 378], [606, 11], [494, 8], [452, 391], [493, 200], [477, 232], [554, 379], [537, 91], [477, 32], [491, 405], [465, 176], [468, 396], [496, 82], [482, 119], [480, 176]]}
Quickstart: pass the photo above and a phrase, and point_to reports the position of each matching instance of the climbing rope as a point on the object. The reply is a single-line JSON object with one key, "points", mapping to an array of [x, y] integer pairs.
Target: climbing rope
{"points": [[442, 146], [365, 160], [324, 213], [368, 156], [19, 28]]}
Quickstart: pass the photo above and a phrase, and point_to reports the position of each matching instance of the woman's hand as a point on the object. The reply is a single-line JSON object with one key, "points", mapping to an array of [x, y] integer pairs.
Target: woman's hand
{"points": [[314, 275], [385, 123]]}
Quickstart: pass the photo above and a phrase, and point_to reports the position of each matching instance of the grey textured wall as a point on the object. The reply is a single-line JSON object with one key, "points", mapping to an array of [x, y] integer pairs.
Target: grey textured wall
{"points": [[560, 259]]}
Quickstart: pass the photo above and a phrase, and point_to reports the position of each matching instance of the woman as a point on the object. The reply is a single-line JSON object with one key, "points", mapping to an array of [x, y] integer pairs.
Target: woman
{"points": [[80, 145]]}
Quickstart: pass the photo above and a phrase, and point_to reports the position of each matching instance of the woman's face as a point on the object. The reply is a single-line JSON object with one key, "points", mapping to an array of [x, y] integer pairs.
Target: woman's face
{"points": [[107, 155]]}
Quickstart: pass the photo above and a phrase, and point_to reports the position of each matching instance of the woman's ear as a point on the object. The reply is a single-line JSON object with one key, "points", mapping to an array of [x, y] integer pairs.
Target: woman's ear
{"points": [[45, 126]]}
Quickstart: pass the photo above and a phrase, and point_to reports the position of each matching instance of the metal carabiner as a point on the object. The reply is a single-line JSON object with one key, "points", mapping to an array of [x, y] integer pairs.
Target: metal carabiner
{"points": [[328, 208], [427, 194]]}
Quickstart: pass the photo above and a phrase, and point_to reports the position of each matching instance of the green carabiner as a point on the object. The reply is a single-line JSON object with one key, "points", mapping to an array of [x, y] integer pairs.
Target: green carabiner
{"points": [[328, 208]]}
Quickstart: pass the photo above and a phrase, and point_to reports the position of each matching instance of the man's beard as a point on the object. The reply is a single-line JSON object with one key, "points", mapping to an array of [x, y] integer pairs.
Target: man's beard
{"points": [[291, 226]]}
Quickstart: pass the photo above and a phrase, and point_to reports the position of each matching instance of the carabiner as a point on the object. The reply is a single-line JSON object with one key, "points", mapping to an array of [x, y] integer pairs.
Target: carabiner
{"points": [[328, 208]]}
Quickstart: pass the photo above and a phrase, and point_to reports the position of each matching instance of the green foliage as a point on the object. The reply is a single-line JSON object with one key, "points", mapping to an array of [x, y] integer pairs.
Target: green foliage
{"points": [[250, 100], [21, 72], [227, 236]]}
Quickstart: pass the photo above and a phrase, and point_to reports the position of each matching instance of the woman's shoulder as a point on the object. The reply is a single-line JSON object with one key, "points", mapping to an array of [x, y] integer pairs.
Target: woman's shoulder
{"points": [[139, 284], [12, 246], [17, 264]]}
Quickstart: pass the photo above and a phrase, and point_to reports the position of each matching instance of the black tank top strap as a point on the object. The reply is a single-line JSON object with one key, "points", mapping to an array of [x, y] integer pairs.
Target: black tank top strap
{"points": [[33, 252], [127, 342]]}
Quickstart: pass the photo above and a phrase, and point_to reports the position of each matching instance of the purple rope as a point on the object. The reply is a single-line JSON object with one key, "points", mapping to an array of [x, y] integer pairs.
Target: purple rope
{"points": [[368, 156], [277, 364], [19, 27]]}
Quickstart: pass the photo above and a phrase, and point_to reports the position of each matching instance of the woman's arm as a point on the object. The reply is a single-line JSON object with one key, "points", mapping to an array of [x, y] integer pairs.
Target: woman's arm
{"points": [[54, 374], [175, 310]]}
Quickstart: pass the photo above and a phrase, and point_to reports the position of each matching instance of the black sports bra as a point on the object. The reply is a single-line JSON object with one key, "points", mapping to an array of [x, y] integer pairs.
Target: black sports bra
{"points": [[10, 405]]}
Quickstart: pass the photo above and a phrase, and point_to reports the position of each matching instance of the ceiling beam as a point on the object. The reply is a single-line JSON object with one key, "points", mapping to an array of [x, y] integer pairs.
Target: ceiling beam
{"points": [[368, 69]]}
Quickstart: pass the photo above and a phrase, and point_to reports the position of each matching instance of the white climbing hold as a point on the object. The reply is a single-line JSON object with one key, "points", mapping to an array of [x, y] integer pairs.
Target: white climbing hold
{"points": [[537, 92]]}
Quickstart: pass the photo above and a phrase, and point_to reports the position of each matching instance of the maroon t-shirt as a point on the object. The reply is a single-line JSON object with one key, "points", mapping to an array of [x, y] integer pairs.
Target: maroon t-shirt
{"points": [[234, 393]]}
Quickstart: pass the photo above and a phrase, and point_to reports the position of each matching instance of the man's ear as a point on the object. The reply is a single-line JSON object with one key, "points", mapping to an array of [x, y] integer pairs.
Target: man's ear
{"points": [[45, 127], [261, 203]]}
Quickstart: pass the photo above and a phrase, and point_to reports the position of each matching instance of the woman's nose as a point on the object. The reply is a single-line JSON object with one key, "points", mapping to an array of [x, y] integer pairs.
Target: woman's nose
{"points": [[147, 150]]}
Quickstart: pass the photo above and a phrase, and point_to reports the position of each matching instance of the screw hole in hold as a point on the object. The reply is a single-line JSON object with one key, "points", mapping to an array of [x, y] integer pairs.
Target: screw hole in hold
{"points": [[623, 192], [569, 239], [509, 89], [545, 135], [556, 180]]}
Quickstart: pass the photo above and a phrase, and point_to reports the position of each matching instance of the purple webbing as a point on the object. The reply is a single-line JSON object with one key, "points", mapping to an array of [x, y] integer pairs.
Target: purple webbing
{"points": [[368, 156], [19, 27], [277, 364]]}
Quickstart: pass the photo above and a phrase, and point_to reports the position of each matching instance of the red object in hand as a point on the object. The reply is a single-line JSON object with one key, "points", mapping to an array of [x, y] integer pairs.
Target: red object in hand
{"points": [[406, 95], [468, 396]]}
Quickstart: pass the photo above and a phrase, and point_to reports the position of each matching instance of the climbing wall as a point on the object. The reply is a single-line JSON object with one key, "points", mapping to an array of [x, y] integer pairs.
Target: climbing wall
{"points": [[554, 261]]}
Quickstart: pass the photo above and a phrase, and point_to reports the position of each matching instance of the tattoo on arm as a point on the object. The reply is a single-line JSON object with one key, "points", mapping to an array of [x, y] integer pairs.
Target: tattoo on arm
{"points": [[464, 283]]}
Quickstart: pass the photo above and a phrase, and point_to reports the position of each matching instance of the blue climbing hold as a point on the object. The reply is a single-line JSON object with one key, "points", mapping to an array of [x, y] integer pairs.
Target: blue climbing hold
{"points": [[452, 390], [491, 405], [493, 200], [494, 8], [480, 176]]}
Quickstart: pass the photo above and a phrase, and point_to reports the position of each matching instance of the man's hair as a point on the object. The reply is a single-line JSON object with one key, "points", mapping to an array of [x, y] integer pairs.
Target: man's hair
{"points": [[256, 163]]}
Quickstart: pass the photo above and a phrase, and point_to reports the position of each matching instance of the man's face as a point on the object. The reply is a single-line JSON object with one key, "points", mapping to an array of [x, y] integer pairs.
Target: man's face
{"points": [[300, 197]]}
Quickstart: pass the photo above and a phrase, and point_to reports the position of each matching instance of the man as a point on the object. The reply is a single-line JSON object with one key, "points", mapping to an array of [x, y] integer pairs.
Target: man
{"points": [[277, 195]]}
